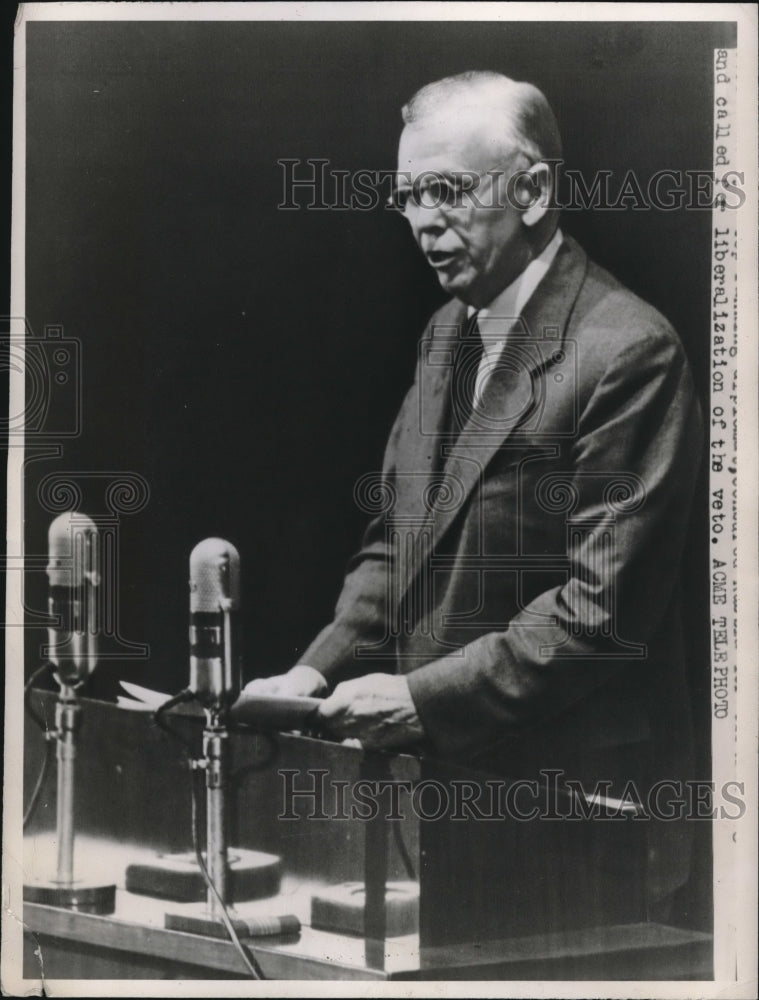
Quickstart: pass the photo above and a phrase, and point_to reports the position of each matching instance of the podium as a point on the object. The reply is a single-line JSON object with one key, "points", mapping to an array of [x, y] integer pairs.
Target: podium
{"points": [[493, 898]]}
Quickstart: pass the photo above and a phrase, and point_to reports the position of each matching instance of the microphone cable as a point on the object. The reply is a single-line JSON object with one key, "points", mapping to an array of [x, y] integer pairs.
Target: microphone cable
{"points": [[159, 719], [251, 964], [44, 669], [49, 736]]}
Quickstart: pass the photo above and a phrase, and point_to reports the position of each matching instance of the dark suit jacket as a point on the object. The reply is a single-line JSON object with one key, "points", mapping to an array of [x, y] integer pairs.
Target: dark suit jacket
{"points": [[524, 573]]}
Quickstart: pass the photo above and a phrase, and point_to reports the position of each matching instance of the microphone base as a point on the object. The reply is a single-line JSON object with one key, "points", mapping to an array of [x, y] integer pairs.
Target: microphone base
{"points": [[342, 908], [201, 921], [80, 896], [251, 874]]}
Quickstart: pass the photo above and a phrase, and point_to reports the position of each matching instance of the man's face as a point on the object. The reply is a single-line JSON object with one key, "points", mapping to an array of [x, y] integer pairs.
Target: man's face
{"points": [[475, 249]]}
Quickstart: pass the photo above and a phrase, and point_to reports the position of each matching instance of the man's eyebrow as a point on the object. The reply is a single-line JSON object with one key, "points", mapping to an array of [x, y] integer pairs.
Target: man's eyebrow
{"points": [[430, 173], [455, 176]]}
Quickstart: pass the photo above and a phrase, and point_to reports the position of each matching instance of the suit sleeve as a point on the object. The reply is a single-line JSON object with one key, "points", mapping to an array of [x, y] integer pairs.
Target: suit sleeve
{"points": [[641, 426]]}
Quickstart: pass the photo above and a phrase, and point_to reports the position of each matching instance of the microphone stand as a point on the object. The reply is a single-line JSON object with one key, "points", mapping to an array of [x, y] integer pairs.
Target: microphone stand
{"points": [[216, 754], [64, 890], [218, 914], [256, 873], [68, 716], [215, 763]]}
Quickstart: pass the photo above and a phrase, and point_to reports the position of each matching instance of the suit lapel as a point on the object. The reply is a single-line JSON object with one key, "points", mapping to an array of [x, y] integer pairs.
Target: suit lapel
{"points": [[511, 400]]}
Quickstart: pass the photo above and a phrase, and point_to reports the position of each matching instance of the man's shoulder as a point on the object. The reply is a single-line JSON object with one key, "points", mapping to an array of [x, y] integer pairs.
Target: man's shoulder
{"points": [[610, 320], [605, 301]]}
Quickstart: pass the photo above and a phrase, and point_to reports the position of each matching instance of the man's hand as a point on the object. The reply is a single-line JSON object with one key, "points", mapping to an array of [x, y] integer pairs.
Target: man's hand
{"points": [[376, 709], [299, 682]]}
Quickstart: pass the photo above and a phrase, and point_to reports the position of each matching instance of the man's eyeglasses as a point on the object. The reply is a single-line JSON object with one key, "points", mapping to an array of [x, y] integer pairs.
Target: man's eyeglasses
{"points": [[448, 193]]}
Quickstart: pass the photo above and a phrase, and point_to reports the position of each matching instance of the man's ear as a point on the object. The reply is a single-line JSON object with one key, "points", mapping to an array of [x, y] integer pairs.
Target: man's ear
{"points": [[534, 192]]}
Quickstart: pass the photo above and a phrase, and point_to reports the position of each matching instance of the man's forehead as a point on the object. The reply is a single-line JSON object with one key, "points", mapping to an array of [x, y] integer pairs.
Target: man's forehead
{"points": [[460, 139]]}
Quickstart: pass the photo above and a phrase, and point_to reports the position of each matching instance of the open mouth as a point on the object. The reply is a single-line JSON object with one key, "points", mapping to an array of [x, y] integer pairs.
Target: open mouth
{"points": [[441, 258]]}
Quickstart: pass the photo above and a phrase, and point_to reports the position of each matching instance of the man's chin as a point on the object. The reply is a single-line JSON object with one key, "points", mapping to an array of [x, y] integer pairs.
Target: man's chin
{"points": [[455, 284]]}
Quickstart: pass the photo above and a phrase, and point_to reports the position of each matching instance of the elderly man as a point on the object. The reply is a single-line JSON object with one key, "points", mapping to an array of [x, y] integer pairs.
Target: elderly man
{"points": [[521, 570]]}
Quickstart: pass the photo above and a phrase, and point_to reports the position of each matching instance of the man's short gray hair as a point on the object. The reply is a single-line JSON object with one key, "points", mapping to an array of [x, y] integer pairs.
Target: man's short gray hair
{"points": [[521, 114]]}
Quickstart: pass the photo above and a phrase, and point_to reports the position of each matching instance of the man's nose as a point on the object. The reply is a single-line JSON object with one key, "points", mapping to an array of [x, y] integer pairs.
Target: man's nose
{"points": [[427, 218]]}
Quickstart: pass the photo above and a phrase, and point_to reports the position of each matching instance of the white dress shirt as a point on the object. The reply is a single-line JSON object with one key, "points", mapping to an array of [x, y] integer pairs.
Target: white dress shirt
{"points": [[496, 319]]}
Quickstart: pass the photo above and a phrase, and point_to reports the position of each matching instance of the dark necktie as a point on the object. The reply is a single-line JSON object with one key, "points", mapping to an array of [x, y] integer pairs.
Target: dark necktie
{"points": [[464, 377]]}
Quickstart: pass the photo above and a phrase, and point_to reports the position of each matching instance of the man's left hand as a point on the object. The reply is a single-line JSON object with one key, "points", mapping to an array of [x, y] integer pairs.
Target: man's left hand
{"points": [[376, 709]]}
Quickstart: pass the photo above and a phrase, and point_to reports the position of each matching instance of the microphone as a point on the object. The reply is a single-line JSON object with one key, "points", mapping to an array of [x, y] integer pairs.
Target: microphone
{"points": [[215, 665], [73, 577], [215, 682]]}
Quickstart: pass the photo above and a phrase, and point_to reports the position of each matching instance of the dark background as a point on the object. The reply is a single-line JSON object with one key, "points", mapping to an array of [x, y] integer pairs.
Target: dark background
{"points": [[248, 361]]}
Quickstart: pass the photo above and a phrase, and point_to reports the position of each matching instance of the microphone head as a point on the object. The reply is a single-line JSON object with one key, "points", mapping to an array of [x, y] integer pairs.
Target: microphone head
{"points": [[214, 577], [215, 668], [73, 575], [70, 541]]}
